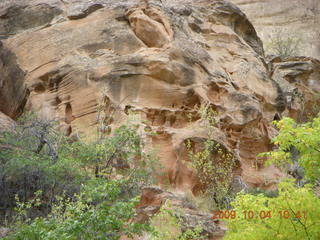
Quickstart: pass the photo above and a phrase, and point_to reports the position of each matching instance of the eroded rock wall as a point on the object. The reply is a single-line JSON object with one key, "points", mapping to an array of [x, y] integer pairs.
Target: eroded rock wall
{"points": [[13, 92], [299, 19], [86, 61]]}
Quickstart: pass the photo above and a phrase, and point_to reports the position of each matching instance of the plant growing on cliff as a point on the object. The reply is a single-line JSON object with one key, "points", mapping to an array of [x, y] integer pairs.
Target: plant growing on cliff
{"points": [[213, 164], [283, 44], [293, 214], [121, 153]]}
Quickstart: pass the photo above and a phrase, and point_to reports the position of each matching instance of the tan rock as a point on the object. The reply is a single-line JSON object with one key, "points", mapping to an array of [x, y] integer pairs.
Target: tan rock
{"points": [[6, 123], [293, 18], [163, 61], [13, 92], [188, 216], [153, 30], [299, 79]]}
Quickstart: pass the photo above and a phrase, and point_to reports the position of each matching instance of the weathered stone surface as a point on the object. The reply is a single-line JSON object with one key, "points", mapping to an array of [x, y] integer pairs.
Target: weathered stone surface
{"points": [[299, 79], [6, 123], [13, 92], [188, 216], [81, 9], [19, 16], [150, 26], [162, 60], [295, 18]]}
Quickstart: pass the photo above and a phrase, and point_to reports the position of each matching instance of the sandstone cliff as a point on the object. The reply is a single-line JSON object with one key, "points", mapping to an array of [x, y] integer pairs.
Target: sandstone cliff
{"points": [[293, 18], [162, 60]]}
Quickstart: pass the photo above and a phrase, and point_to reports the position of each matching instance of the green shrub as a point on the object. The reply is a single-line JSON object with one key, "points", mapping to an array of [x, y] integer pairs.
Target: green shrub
{"points": [[34, 157], [213, 164], [97, 213], [305, 138], [58, 189], [294, 215]]}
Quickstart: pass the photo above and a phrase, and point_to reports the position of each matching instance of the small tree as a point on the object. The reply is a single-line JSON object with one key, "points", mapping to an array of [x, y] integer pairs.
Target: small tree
{"points": [[283, 44], [213, 164], [33, 157]]}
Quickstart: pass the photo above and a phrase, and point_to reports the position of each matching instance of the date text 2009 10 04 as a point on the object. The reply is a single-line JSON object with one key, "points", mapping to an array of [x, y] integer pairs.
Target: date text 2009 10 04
{"points": [[231, 214]]}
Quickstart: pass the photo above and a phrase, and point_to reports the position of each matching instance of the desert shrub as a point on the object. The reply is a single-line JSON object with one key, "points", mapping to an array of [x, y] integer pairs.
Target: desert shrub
{"points": [[293, 214], [283, 44], [119, 154], [97, 212], [214, 167]]}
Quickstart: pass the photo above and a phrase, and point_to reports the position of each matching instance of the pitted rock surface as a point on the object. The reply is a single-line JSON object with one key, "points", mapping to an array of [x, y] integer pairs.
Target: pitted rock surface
{"points": [[163, 60]]}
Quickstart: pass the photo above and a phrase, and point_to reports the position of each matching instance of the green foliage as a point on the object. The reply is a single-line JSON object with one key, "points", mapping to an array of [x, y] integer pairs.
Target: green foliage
{"points": [[97, 213], [166, 226], [305, 138], [283, 44], [267, 193], [293, 214], [119, 154], [34, 157], [213, 163], [58, 189], [214, 166]]}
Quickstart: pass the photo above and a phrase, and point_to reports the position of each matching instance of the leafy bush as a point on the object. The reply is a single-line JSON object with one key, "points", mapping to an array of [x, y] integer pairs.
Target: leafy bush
{"points": [[305, 138], [58, 189], [119, 154], [293, 214], [97, 213], [34, 157], [213, 164]]}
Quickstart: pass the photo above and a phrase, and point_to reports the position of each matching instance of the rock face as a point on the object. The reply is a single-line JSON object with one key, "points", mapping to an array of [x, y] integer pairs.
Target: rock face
{"points": [[13, 92], [89, 61], [6, 123], [299, 79], [295, 18], [188, 216]]}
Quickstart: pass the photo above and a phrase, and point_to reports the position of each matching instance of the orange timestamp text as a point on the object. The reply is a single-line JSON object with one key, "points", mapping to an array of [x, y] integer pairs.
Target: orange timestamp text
{"points": [[232, 214]]}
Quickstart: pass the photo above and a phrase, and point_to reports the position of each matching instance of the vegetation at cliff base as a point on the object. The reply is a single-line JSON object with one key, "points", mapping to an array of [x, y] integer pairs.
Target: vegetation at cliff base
{"points": [[55, 188], [58, 188], [294, 213]]}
